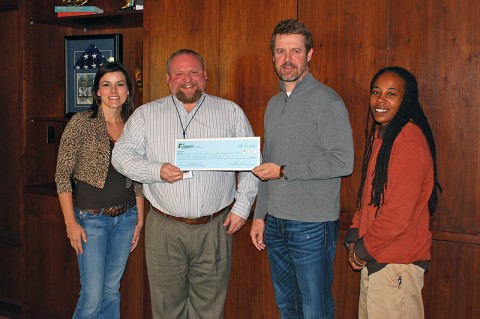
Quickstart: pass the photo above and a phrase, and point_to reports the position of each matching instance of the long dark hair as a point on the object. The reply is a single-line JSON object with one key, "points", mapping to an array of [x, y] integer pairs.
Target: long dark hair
{"points": [[128, 106], [410, 111]]}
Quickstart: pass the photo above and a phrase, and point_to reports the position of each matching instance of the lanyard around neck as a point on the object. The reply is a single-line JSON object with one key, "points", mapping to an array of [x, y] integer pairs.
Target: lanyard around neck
{"points": [[184, 129]]}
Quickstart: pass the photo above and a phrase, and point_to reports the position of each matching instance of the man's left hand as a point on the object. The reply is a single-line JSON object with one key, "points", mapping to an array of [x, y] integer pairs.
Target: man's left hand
{"points": [[234, 223], [267, 171]]}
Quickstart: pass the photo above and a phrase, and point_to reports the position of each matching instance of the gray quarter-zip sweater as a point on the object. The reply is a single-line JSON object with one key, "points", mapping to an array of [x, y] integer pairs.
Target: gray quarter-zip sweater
{"points": [[309, 132]]}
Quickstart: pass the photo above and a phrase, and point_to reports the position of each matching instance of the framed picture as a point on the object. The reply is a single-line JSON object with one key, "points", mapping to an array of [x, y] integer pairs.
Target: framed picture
{"points": [[83, 56]]}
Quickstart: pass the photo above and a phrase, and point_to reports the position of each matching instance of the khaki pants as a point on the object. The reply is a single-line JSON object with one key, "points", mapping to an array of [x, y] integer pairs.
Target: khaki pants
{"points": [[395, 292], [188, 267]]}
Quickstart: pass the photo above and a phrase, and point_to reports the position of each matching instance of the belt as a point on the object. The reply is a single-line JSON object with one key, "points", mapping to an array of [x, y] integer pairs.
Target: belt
{"points": [[194, 221], [112, 211]]}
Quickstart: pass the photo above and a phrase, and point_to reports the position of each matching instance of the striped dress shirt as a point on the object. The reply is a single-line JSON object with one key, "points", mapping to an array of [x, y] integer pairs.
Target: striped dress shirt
{"points": [[148, 141]]}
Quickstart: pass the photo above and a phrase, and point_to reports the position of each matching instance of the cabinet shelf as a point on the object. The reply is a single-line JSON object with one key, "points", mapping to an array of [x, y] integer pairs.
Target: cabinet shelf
{"points": [[7, 5], [125, 19], [49, 119], [48, 189]]}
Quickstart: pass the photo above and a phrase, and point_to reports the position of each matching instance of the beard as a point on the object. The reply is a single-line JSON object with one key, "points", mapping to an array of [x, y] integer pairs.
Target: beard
{"points": [[291, 77], [186, 99]]}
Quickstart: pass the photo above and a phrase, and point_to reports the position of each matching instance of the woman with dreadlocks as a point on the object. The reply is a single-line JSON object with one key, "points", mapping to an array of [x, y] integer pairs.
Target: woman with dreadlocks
{"points": [[389, 240]]}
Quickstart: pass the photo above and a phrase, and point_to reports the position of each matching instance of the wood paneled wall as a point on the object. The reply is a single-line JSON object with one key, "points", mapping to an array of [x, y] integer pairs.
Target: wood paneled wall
{"points": [[439, 41], [232, 36]]}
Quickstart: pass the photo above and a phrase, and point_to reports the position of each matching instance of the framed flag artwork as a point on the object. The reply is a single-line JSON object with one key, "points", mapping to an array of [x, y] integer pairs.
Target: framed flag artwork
{"points": [[84, 55]]}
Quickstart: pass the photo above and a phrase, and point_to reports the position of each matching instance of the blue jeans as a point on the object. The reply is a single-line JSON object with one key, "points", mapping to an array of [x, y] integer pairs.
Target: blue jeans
{"points": [[103, 262], [301, 264]]}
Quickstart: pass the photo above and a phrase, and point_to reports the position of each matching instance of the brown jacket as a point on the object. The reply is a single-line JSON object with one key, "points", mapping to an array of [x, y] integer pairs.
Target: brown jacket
{"points": [[84, 153]]}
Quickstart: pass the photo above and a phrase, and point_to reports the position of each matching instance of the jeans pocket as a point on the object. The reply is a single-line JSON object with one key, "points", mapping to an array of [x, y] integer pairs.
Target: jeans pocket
{"points": [[133, 210], [130, 217]]}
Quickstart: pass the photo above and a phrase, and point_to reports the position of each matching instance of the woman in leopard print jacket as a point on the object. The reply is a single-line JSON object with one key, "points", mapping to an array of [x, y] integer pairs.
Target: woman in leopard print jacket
{"points": [[103, 210]]}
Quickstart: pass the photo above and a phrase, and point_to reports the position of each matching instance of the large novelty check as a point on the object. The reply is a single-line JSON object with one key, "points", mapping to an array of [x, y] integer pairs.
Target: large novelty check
{"points": [[217, 154]]}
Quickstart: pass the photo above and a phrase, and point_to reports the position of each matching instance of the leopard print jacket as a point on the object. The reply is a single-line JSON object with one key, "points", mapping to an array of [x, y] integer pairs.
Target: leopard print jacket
{"points": [[84, 153]]}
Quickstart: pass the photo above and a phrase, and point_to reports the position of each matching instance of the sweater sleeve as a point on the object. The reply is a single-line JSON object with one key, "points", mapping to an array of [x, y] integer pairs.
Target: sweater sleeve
{"points": [[336, 158], [261, 208]]}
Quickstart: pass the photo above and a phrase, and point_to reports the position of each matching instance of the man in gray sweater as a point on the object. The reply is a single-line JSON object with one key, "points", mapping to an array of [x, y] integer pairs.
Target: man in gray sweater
{"points": [[308, 147]]}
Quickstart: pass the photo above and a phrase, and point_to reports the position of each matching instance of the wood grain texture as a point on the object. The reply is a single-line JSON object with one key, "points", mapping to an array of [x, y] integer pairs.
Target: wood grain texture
{"points": [[452, 285], [52, 265], [13, 129], [250, 294], [247, 75], [12, 141], [184, 24], [439, 42]]}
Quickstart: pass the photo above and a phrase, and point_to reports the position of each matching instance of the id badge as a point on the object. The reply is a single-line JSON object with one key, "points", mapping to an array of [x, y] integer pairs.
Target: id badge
{"points": [[187, 174]]}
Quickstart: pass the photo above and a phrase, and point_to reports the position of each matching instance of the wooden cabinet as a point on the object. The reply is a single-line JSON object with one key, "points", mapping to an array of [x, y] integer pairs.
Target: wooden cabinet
{"points": [[125, 19], [51, 277], [12, 141]]}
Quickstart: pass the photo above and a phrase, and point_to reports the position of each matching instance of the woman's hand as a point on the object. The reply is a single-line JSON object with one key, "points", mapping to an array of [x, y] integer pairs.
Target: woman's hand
{"points": [[355, 262], [77, 235], [136, 235]]}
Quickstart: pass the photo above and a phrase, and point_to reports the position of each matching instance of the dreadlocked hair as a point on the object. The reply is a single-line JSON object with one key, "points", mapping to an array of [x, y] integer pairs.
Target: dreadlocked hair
{"points": [[409, 111]]}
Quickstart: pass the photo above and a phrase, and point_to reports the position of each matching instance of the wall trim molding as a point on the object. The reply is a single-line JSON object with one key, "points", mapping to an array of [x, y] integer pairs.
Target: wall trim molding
{"points": [[437, 235], [10, 308], [456, 237]]}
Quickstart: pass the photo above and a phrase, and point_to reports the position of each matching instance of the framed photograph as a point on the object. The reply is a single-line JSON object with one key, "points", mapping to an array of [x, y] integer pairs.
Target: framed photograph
{"points": [[83, 56]]}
